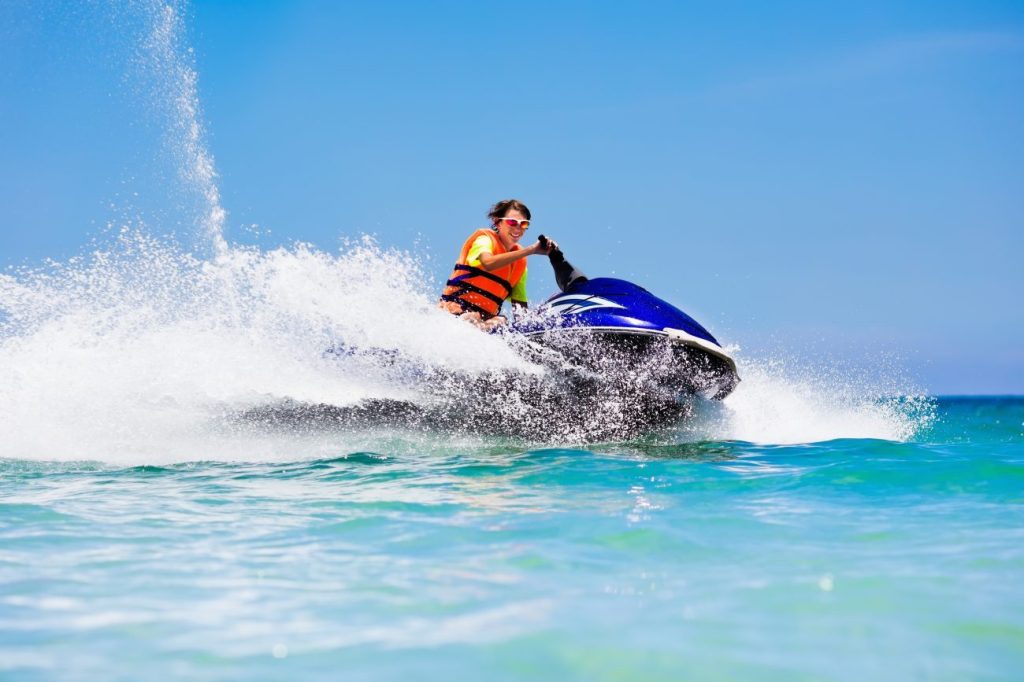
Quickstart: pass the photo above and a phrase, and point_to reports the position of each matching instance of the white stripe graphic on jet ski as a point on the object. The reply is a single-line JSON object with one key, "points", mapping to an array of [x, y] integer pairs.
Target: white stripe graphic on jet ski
{"points": [[577, 303], [672, 333]]}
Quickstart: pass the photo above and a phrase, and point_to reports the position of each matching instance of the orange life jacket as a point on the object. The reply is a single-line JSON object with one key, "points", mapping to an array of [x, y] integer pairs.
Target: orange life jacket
{"points": [[474, 289]]}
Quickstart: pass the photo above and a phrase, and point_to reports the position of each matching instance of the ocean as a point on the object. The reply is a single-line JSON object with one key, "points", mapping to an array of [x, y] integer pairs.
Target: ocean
{"points": [[848, 558]]}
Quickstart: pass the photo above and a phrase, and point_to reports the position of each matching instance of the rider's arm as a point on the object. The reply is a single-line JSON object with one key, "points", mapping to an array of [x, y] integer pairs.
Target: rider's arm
{"points": [[488, 261]]}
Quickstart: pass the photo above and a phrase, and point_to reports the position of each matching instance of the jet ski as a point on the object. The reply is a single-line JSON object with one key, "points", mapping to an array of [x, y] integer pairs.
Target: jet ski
{"points": [[620, 362], [623, 333]]}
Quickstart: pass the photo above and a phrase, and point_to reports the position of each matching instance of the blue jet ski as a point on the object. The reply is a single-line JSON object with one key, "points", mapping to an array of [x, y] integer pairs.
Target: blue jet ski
{"points": [[622, 363], [624, 333]]}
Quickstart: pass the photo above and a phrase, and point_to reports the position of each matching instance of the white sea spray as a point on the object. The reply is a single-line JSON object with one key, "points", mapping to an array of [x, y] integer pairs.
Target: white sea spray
{"points": [[166, 67], [797, 400], [143, 348]]}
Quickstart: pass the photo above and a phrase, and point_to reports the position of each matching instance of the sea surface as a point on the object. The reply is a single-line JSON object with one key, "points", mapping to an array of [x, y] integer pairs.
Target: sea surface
{"points": [[430, 558]]}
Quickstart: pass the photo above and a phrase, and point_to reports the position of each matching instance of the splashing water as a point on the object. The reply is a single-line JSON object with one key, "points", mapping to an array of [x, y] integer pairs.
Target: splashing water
{"points": [[785, 402], [142, 352], [169, 68], [140, 347]]}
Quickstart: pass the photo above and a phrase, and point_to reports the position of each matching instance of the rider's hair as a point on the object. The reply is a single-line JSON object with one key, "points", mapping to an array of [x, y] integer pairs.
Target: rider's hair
{"points": [[500, 209]]}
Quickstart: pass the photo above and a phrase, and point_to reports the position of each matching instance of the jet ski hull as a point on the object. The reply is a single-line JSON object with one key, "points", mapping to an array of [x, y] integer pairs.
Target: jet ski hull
{"points": [[622, 332]]}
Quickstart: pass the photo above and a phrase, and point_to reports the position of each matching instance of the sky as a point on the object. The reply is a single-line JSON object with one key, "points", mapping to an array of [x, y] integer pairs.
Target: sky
{"points": [[840, 181]]}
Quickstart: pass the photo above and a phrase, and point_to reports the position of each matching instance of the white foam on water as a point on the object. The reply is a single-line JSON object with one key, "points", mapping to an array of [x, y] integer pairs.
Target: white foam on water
{"points": [[140, 352], [792, 401]]}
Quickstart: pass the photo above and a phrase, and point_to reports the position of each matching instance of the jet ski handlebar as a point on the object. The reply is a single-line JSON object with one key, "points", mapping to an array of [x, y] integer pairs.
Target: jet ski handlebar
{"points": [[565, 273]]}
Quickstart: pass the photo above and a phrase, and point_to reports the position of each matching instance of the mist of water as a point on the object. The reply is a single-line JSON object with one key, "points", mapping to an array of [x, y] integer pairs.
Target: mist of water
{"points": [[165, 66]]}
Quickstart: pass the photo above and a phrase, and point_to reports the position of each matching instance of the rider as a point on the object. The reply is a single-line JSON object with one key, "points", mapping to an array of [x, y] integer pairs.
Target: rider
{"points": [[492, 267]]}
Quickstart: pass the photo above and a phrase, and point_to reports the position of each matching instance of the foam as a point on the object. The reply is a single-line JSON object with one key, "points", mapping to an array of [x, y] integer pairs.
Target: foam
{"points": [[785, 401], [136, 348]]}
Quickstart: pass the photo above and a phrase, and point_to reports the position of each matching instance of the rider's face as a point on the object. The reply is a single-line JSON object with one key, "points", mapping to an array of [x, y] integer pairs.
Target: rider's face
{"points": [[511, 235]]}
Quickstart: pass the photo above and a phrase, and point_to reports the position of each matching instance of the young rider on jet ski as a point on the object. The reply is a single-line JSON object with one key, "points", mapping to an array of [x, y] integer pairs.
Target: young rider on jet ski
{"points": [[492, 267]]}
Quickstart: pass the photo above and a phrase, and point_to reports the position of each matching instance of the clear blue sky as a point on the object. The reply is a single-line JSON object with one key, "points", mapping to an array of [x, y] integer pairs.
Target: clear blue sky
{"points": [[843, 180]]}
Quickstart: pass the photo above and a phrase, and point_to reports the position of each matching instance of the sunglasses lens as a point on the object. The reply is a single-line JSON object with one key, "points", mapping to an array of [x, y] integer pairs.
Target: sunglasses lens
{"points": [[511, 222], [524, 223]]}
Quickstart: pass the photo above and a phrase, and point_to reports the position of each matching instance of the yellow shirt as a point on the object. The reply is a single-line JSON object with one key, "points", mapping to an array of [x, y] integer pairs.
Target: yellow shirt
{"points": [[482, 244]]}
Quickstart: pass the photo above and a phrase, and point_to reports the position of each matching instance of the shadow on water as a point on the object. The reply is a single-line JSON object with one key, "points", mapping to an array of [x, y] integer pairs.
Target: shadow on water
{"points": [[519, 407]]}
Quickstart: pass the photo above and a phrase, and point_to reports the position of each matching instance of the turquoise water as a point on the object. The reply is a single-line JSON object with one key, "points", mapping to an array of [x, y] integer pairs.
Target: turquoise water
{"points": [[848, 559]]}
